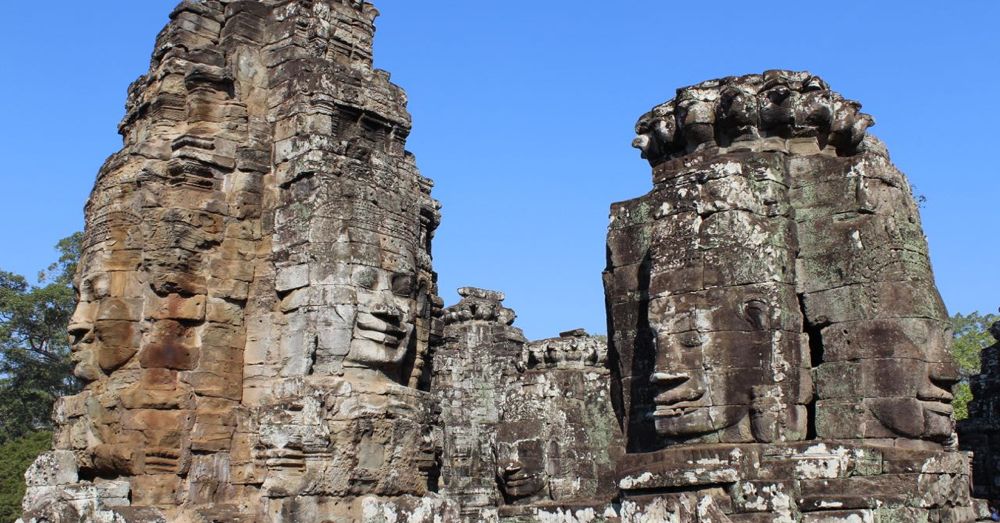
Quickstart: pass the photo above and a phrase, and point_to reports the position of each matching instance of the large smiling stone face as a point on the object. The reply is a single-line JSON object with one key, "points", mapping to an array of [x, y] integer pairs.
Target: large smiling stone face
{"points": [[726, 355], [384, 326], [717, 355], [775, 284], [706, 322], [887, 378], [105, 328]]}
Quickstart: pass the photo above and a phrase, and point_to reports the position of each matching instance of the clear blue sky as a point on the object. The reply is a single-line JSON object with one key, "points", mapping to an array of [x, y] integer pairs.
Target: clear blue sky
{"points": [[523, 115]]}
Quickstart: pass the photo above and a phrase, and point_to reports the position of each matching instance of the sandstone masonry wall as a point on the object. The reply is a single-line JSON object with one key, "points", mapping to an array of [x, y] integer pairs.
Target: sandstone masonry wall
{"points": [[262, 338], [257, 299], [978, 433]]}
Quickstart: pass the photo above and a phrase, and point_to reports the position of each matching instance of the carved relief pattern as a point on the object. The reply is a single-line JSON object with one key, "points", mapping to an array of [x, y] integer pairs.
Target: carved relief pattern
{"points": [[262, 338]]}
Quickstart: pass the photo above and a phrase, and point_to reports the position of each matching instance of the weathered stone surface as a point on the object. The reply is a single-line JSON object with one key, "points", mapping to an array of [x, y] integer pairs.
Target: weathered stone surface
{"points": [[783, 111], [779, 349], [257, 302], [528, 426], [261, 334], [979, 433], [558, 442]]}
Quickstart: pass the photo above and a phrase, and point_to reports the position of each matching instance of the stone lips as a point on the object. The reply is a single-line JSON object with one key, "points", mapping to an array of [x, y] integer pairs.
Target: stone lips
{"points": [[741, 111]]}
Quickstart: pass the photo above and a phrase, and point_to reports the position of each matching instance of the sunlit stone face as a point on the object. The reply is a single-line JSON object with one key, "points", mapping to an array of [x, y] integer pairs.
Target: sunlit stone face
{"points": [[520, 459], [369, 298], [384, 327], [105, 327], [85, 345], [929, 415], [717, 354], [706, 319], [899, 370]]}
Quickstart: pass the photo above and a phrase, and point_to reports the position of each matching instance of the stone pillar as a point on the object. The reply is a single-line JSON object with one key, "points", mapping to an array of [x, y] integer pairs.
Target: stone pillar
{"points": [[558, 442], [472, 369], [528, 427]]}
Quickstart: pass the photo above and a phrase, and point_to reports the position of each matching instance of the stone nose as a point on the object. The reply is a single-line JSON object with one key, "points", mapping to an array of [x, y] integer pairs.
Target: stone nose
{"points": [[81, 324], [642, 142], [941, 378], [675, 387]]}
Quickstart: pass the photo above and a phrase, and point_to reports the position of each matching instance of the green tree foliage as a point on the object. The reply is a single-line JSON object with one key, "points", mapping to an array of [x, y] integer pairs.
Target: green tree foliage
{"points": [[15, 458], [35, 367], [971, 337], [963, 396]]}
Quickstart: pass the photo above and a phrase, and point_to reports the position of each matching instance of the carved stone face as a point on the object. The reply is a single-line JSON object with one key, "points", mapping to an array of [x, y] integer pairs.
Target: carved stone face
{"points": [[656, 133], [929, 415], [898, 369], [130, 340], [104, 329], [366, 291], [521, 470], [716, 355], [518, 481], [712, 351], [777, 102], [696, 117], [739, 115], [384, 327], [86, 348]]}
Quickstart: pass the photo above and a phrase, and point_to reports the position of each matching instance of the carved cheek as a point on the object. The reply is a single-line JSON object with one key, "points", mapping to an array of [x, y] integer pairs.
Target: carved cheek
{"points": [[99, 287]]}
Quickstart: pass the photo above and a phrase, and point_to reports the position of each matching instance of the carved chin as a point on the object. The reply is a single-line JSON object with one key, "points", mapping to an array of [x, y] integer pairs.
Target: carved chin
{"points": [[913, 418], [938, 426], [87, 371]]}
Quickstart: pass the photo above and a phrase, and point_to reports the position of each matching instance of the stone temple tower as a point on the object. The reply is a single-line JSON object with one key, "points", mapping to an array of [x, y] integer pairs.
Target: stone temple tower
{"points": [[779, 346], [262, 339], [257, 301]]}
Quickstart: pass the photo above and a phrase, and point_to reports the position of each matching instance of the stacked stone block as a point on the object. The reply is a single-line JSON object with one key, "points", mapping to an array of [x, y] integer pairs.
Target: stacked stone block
{"points": [[528, 426], [262, 340], [979, 433], [257, 297], [472, 370], [779, 348]]}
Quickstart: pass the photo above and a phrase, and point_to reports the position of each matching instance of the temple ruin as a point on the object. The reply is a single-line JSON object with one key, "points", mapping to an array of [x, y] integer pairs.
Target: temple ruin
{"points": [[980, 433], [262, 338]]}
